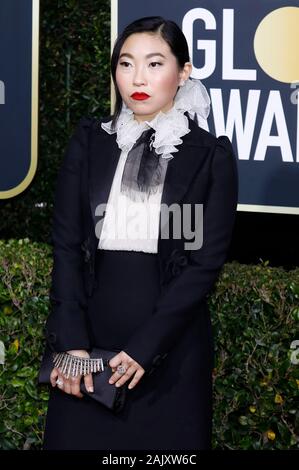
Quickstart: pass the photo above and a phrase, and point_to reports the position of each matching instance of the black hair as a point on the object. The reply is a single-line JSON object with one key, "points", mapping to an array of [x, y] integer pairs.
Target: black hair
{"points": [[167, 29]]}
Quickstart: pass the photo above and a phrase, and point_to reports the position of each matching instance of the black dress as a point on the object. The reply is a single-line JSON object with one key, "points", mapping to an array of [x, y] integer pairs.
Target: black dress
{"points": [[169, 409]]}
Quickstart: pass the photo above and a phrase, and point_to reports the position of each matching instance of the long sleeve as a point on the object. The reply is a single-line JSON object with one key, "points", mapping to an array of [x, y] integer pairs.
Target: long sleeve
{"points": [[179, 302], [66, 325]]}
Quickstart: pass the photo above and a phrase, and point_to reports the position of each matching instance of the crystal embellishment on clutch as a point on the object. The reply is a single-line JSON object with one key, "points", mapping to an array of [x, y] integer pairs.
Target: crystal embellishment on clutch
{"points": [[75, 365]]}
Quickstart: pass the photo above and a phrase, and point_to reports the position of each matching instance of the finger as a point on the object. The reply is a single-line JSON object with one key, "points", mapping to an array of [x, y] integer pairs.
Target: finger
{"points": [[116, 375], [115, 360], [53, 377], [61, 380], [121, 379], [66, 385], [136, 378], [75, 386], [88, 381]]}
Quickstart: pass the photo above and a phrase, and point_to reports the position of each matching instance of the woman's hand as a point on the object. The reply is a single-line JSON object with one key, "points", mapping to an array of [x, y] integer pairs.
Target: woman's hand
{"points": [[72, 384], [133, 370]]}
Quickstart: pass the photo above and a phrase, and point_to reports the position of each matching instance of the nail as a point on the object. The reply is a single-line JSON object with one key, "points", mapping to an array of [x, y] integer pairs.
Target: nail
{"points": [[90, 389]]}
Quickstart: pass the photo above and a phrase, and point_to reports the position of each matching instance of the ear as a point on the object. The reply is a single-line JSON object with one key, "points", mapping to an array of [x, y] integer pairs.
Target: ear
{"points": [[185, 73]]}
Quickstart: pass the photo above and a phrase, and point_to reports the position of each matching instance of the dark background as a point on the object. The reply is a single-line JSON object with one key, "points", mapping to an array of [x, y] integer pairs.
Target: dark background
{"points": [[267, 237]]}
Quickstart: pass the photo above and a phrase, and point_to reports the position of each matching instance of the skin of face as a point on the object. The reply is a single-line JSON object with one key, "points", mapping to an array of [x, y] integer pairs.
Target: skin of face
{"points": [[157, 76]]}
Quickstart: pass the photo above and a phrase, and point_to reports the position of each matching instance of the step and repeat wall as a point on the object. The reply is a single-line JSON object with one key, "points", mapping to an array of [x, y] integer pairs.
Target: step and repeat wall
{"points": [[19, 29], [246, 54]]}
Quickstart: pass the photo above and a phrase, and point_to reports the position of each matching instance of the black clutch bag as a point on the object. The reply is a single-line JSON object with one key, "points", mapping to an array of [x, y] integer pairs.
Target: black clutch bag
{"points": [[107, 394]]}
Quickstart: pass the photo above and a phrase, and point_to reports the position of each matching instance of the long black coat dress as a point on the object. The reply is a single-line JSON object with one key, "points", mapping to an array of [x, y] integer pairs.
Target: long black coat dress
{"points": [[171, 407]]}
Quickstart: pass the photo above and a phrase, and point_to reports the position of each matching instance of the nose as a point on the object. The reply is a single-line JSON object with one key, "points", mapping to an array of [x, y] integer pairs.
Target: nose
{"points": [[139, 76]]}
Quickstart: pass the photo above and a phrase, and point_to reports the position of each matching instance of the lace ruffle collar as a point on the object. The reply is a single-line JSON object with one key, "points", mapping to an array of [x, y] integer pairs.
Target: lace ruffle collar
{"points": [[171, 126]]}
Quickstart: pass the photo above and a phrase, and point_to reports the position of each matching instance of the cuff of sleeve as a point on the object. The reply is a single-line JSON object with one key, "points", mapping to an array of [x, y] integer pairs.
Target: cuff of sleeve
{"points": [[66, 327], [144, 357]]}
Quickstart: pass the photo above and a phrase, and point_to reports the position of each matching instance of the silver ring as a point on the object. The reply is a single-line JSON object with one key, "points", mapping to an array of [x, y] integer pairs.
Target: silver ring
{"points": [[121, 369], [59, 382]]}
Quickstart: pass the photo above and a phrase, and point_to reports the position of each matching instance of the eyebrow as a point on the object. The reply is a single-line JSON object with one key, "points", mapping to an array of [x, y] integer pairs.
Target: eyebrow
{"points": [[152, 54]]}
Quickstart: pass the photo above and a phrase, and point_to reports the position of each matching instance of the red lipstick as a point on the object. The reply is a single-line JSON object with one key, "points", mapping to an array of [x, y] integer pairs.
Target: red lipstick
{"points": [[140, 96]]}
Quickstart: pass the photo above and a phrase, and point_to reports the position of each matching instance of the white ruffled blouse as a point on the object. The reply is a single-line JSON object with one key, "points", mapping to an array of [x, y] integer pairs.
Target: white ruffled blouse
{"points": [[134, 225], [130, 225]]}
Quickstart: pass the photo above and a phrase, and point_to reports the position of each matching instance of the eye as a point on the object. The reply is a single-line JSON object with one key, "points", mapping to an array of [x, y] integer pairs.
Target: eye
{"points": [[124, 64], [159, 63]]}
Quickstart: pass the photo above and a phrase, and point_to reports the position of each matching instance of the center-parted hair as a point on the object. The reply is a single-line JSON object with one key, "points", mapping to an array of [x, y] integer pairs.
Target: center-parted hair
{"points": [[167, 29]]}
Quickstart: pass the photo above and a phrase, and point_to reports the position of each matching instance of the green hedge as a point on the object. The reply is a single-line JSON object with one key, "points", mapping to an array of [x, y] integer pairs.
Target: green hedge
{"points": [[255, 315]]}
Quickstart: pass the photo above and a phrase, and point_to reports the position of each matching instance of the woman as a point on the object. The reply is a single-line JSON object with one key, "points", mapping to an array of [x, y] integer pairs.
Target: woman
{"points": [[143, 294]]}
